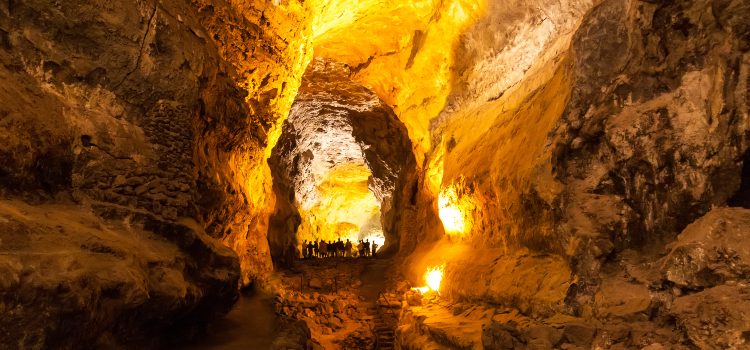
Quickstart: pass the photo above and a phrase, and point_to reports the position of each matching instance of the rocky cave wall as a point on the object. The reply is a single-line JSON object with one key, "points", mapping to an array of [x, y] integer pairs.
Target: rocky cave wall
{"points": [[621, 128], [226, 72], [337, 123], [103, 107]]}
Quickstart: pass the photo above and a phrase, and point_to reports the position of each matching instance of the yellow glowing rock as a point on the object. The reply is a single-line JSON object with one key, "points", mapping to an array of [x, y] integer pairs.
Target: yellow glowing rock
{"points": [[343, 205], [455, 211], [404, 51]]}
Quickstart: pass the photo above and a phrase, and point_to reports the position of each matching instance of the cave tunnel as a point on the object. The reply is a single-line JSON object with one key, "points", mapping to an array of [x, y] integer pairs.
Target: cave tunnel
{"points": [[340, 165], [546, 174]]}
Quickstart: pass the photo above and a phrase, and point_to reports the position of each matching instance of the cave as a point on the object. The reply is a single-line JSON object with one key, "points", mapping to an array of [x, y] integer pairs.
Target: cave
{"points": [[567, 174], [340, 166]]}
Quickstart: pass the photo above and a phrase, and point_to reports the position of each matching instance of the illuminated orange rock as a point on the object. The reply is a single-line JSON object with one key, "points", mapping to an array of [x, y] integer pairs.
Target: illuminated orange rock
{"points": [[537, 149]]}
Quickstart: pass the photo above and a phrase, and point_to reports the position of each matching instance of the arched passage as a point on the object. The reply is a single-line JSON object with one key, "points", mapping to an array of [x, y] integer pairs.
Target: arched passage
{"points": [[341, 164]]}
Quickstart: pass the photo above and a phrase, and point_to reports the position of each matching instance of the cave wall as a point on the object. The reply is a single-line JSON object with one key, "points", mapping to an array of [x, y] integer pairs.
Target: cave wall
{"points": [[567, 131], [129, 112], [622, 127], [268, 45]]}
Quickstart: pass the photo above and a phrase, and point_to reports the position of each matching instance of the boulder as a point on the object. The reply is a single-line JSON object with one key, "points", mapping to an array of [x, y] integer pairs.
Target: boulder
{"points": [[619, 298], [711, 251], [716, 318], [579, 334]]}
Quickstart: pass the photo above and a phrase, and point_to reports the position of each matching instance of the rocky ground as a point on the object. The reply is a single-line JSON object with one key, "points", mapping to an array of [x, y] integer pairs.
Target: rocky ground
{"points": [[341, 301]]}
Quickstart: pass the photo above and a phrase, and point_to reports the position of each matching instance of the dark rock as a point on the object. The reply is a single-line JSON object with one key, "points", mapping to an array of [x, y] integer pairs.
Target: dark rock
{"points": [[498, 335], [579, 334]]}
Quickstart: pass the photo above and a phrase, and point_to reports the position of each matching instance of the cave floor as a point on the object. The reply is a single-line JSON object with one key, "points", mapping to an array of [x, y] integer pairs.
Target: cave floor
{"points": [[346, 303], [342, 303]]}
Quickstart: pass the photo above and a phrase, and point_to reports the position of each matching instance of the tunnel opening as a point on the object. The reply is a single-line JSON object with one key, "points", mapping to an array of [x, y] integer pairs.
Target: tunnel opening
{"points": [[339, 168]]}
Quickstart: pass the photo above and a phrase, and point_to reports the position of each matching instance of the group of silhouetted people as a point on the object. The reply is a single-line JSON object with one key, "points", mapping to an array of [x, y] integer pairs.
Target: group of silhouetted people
{"points": [[323, 249]]}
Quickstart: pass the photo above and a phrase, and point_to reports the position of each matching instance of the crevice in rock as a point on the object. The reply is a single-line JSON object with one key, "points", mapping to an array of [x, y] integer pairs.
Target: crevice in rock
{"points": [[142, 47], [742, 197]]}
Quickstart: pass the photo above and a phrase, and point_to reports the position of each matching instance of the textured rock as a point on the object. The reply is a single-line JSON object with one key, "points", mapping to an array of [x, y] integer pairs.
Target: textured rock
{"points": [[617, 298], [715, 318], [711, 251], [548, 138], [535, 284], [102, 106], [70, 278], [597, 145]]}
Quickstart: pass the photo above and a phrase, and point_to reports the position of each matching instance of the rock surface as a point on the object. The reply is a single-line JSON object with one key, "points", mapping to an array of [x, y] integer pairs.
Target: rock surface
{"points": [[327, 295], [101, 107], [628, 122], [713, 250], [551, 148], [716, 318], [69, 278]]}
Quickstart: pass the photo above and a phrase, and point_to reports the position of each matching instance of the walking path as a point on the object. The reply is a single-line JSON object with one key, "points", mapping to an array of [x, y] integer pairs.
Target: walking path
{"points": [[340, 300]]}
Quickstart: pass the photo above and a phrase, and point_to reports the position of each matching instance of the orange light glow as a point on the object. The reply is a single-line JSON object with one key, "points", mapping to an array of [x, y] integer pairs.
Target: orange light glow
{"points": [[452, 210], [433, 277]]}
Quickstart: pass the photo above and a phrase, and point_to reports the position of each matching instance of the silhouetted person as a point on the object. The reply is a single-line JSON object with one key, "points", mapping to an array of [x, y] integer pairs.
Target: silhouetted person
{"points": [[309, 250], [374, 248], [331, 249], [304, 249], [367, 247], [323, 249], [348, 248], [340, 247], [315, 248], [361, 248]]}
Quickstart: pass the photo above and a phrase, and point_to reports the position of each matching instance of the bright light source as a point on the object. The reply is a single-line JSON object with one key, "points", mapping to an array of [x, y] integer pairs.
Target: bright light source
{"points": [[432, 277], [451, 213], [378, 239]]}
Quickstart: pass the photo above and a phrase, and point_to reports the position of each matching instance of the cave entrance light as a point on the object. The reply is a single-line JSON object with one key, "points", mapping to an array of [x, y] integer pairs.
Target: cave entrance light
{"points": [[342, 206]]}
